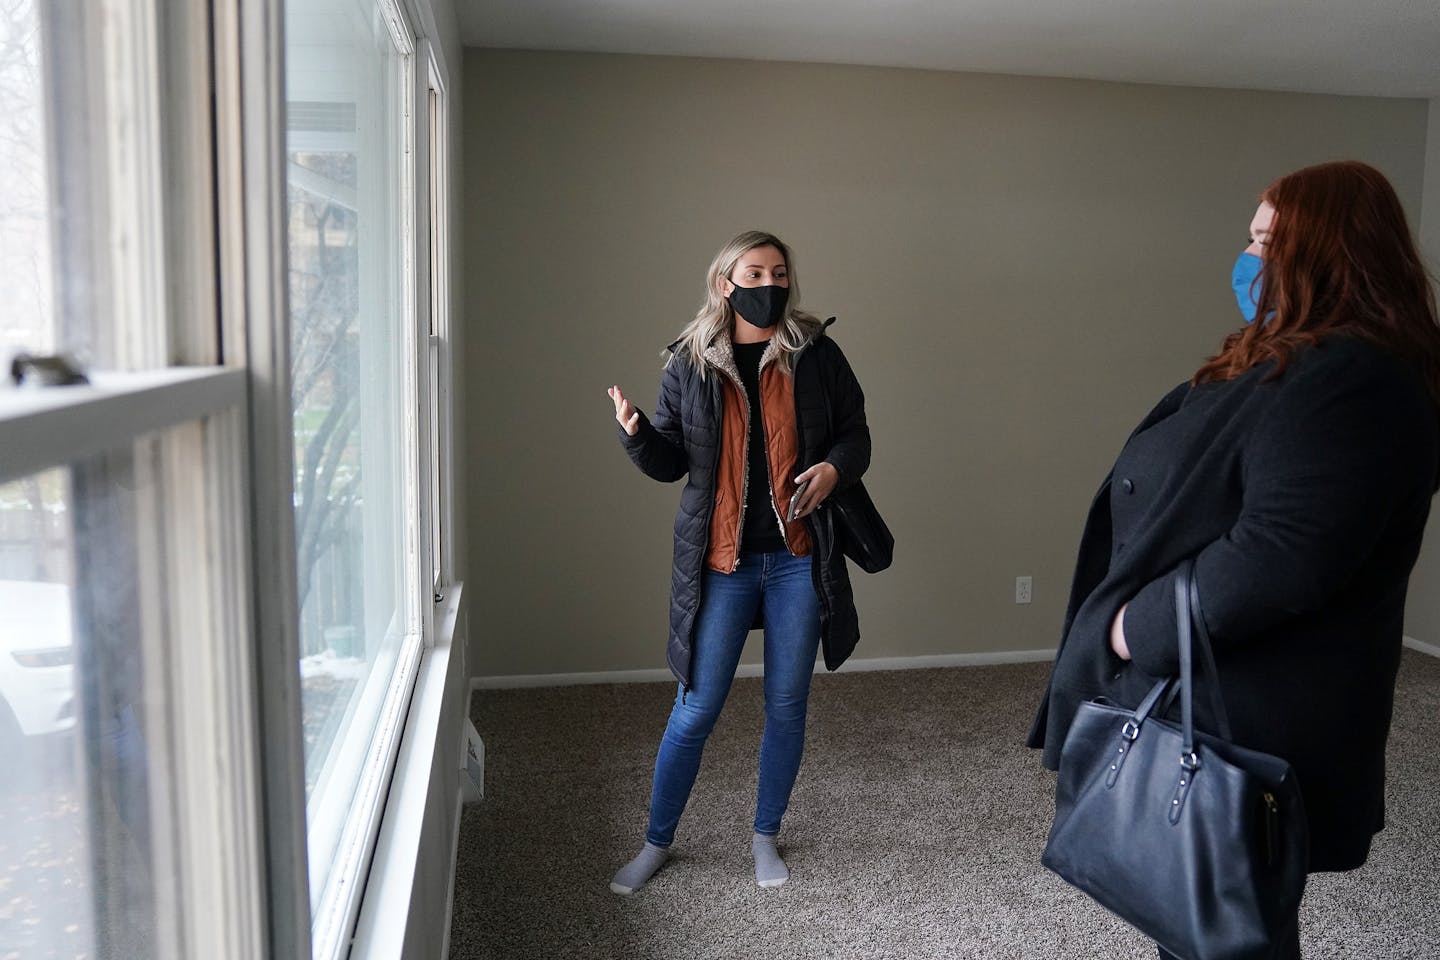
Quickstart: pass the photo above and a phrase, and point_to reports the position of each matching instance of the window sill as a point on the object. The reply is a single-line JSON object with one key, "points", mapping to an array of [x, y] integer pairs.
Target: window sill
{"points": [[47, 426], [426, 779]]}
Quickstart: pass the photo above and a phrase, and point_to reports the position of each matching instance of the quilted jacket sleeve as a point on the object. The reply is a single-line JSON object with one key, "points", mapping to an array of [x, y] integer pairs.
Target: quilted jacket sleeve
{"points": [[850, 434]]}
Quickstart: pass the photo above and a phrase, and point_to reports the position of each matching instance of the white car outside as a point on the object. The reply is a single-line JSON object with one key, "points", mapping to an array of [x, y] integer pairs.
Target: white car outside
{"points": [[37, 675]]}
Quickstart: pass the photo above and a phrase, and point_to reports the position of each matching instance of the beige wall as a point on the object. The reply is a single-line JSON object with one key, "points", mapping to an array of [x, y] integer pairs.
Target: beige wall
{"points": [[1020, 266], [1422, 611]]}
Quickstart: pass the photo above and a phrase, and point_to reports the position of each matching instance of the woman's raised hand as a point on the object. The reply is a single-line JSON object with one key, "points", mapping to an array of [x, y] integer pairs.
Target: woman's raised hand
{"points": [[625, 413]]}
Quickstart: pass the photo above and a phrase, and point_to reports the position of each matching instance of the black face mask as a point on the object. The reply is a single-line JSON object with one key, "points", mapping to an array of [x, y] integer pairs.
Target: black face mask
{"points": [[760, 306]]}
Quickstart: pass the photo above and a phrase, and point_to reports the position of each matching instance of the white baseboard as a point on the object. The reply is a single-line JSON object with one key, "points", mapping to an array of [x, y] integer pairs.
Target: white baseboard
{"points": [[1425, 648], [513, 681], [995, 658]]}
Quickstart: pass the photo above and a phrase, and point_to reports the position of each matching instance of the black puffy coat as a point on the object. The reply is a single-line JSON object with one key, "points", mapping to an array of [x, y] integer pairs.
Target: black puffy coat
{"points": [[1303, 498], [682, 439]]}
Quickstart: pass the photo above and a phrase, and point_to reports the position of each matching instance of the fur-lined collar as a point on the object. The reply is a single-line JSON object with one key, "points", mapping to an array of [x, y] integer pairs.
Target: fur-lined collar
{"points": [[721, 355]]}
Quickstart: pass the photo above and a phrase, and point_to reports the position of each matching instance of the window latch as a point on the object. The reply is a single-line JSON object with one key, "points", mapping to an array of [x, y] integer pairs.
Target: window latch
{"points": [[54, 371]]}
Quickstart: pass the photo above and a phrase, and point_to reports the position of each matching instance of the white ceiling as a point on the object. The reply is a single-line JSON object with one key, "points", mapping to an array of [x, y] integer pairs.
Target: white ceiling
{"points": [[1367, 47]]}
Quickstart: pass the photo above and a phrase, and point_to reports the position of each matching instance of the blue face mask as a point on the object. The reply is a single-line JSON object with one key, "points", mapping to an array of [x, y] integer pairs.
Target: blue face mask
{"points": [[1242, 279]]}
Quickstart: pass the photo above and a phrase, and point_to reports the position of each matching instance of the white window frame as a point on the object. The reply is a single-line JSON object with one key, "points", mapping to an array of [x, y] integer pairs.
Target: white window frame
{"points": [[194, 101], [435, 148], [391, 886], [250, 200], [131, 82], [336, 909]]}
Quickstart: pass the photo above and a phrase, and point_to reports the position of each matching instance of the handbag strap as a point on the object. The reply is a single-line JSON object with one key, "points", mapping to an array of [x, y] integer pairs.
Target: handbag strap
{"points": [[1188, 758], [1130, 732], [1190, 624], [1207, 652]]}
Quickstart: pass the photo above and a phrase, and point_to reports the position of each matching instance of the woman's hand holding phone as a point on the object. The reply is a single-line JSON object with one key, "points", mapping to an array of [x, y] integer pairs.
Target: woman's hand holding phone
{"points": [[792, 514], [815, 485]]}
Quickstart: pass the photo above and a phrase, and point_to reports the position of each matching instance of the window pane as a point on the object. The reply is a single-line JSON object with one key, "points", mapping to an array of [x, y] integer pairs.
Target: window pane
{"points": [[81, 263], [437, 469], [350, 372], [27, 322], [77, 857], [438, 331], [44, 847]]}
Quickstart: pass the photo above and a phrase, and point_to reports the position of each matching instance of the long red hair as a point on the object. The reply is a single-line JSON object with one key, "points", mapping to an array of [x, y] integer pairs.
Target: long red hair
{"points": [[1339, 260]]}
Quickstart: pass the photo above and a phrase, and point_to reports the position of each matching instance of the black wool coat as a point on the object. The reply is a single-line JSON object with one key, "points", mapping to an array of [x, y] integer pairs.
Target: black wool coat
{"points": [[1303, 499], [682, 440]]}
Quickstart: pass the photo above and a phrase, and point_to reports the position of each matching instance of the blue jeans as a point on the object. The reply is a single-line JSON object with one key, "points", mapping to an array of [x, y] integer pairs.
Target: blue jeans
{"points": [[782, 586]]}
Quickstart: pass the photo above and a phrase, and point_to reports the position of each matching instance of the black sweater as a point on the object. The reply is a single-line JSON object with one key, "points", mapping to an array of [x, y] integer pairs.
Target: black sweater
{"points": [[762, 526]]}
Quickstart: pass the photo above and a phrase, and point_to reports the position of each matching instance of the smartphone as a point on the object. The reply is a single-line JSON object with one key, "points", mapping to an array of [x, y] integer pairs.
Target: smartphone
{"points": [[795, 501]]}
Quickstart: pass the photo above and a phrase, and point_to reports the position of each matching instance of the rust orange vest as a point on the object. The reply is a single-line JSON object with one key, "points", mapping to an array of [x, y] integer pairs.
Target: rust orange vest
{"points": [[782, 450]]}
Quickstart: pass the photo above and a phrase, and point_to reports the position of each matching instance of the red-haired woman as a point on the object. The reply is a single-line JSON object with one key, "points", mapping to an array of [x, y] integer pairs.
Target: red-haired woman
{"points": [[1296, 467]]}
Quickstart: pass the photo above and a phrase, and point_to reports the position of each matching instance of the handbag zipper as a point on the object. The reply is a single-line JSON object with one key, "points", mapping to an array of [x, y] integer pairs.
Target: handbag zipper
{"points": [[1272, 829]]}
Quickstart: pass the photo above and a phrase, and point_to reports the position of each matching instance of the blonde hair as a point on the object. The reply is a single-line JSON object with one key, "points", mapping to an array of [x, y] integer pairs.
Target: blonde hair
{"points": [[716, 317]]}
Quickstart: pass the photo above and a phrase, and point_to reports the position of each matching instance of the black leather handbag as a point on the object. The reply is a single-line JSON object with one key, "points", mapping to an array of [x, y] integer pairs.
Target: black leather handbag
{"points": [[858, 529], [1199, 843], [860, 532]]}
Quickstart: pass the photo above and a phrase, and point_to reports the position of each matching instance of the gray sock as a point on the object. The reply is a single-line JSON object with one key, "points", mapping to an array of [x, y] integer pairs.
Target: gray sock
{"points": [[769, 868], [633, 875]]}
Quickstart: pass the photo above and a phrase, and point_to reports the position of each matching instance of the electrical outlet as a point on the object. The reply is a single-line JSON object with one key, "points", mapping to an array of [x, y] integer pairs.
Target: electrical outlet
{"points": [[1022, 589]]}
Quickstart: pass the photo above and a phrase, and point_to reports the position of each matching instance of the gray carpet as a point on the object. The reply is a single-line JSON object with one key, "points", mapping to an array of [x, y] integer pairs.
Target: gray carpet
{"points": [[915, 831]]}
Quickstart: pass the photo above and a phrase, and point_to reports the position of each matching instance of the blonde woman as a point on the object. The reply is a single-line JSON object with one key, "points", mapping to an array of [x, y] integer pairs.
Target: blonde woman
{"points": [[762, 417]]}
